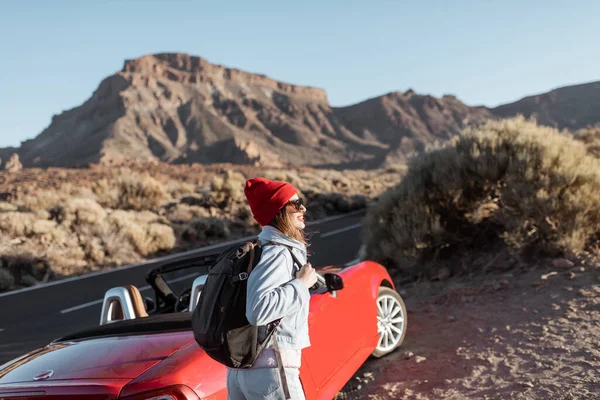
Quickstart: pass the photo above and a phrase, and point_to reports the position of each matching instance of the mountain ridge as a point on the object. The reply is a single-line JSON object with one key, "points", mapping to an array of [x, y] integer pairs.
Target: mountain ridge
{"points": [[178, 108]]}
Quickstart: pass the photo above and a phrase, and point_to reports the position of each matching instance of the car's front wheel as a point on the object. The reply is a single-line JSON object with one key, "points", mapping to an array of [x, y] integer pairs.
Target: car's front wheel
{"points": [[391, 321]]}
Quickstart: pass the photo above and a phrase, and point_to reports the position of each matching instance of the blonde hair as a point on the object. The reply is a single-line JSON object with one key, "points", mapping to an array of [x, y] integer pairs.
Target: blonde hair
{"points": [[285, 223]]}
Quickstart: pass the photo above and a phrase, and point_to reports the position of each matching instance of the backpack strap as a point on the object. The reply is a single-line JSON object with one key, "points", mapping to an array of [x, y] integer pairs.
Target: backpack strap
{"points": [[284, 383], [296, 262]]}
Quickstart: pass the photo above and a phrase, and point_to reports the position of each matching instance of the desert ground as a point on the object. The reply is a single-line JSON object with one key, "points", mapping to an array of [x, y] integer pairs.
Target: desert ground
{"points": [[531, 333]]}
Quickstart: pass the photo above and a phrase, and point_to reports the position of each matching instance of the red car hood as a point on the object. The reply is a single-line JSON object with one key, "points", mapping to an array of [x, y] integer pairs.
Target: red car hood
{"points": [[101, 358]]}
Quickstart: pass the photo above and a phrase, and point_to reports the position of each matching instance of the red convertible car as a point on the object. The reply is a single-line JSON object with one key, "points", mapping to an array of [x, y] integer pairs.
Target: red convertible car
{"points": [[144, 349]]}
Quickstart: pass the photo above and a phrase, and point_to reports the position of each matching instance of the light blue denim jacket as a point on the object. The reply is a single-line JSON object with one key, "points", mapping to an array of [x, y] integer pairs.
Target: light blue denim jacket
{"points": [[274, 292]]}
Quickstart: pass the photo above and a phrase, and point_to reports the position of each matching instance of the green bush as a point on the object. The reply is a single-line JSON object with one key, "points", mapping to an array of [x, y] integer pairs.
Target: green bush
{"points": [[513, 183]]}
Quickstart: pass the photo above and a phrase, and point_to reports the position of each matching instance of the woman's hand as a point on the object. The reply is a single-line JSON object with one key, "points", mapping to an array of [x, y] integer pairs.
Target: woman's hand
{"points": [[307, 275]]}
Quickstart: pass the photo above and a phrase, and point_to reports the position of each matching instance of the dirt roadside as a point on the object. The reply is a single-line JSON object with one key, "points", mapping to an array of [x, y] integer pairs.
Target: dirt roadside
{"points": [[521, 335]]}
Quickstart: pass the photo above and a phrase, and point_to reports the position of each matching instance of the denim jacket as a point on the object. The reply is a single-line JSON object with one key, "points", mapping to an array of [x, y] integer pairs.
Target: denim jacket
{"points": [[274, 292]]}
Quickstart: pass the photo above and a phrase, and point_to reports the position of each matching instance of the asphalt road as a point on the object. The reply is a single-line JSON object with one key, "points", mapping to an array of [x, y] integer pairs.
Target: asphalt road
{"points": [[33, 317]]}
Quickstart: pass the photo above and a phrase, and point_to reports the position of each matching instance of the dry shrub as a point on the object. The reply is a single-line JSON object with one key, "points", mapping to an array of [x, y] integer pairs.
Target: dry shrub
{"points": [[41, 200], [7, 280], [42, 231], [314, 182], [338, 179], [510, 183], [227, 188], [176, 189], [67, 261], [180, 213], [7, 207], [116, 246], [107, 194], [244, 219], [140, 192], [17, 224], [83, 211], [104, 243], [199, 200], [320, 205], [396, 168], [161, 237], [49, 233], [591, 138], [206, 228], [289, 176], [25, 268], [146, 231], [82, 220]]}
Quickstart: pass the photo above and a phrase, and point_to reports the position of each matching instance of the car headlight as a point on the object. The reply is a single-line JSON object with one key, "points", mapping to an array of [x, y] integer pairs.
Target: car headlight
{"points": [[179, 392]]}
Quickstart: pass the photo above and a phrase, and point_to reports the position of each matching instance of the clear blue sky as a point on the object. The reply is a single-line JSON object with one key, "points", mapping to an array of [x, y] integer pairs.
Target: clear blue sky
{"points": [[54, 53]]}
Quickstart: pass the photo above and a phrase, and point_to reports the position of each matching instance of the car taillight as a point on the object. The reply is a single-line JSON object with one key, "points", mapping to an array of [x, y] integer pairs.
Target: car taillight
{"points": [[178, 392]]}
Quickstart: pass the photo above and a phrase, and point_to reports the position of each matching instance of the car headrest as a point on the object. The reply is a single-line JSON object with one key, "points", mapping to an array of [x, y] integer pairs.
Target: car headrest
{"points": [[122, 303]]}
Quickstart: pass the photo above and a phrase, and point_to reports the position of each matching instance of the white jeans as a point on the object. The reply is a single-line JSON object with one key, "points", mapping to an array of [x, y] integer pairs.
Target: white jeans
{"points": [[262, 383]]}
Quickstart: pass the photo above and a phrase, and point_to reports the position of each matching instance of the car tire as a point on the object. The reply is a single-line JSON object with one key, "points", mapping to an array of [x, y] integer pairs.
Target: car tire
{"points": [[391, 321]]}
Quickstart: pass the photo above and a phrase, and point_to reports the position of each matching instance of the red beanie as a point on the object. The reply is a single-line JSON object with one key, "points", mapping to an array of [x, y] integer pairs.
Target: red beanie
{"points": [[267, 197]]}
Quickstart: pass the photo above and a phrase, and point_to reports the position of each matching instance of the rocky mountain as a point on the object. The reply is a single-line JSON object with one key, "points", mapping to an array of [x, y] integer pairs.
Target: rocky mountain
{"points": [[5, 155], [571, 107], [179, 108]]}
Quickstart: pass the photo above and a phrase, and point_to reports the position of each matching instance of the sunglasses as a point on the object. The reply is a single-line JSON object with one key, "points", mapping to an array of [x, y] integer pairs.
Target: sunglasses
{"points": [[297, 204]]}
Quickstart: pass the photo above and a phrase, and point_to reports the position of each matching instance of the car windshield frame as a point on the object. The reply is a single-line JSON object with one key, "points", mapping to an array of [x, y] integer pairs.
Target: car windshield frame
{"points": [[165, 295]]}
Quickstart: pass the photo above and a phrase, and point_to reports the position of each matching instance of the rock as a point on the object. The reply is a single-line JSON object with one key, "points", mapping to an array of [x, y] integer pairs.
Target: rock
{"points": [[13, 164], [562, 263], [420, 359], [407, 355], [452, 318]]}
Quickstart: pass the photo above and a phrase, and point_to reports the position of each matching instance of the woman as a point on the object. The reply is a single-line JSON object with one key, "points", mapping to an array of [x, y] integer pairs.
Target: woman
{"points": [[277, 289]]}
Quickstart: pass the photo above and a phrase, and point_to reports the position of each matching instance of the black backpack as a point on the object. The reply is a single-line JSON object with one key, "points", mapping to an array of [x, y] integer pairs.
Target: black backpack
{"points": [[219, 320]]}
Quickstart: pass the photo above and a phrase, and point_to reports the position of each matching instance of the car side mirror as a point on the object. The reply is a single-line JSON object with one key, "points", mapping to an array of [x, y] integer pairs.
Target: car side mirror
{"points": [[334, 282]]}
